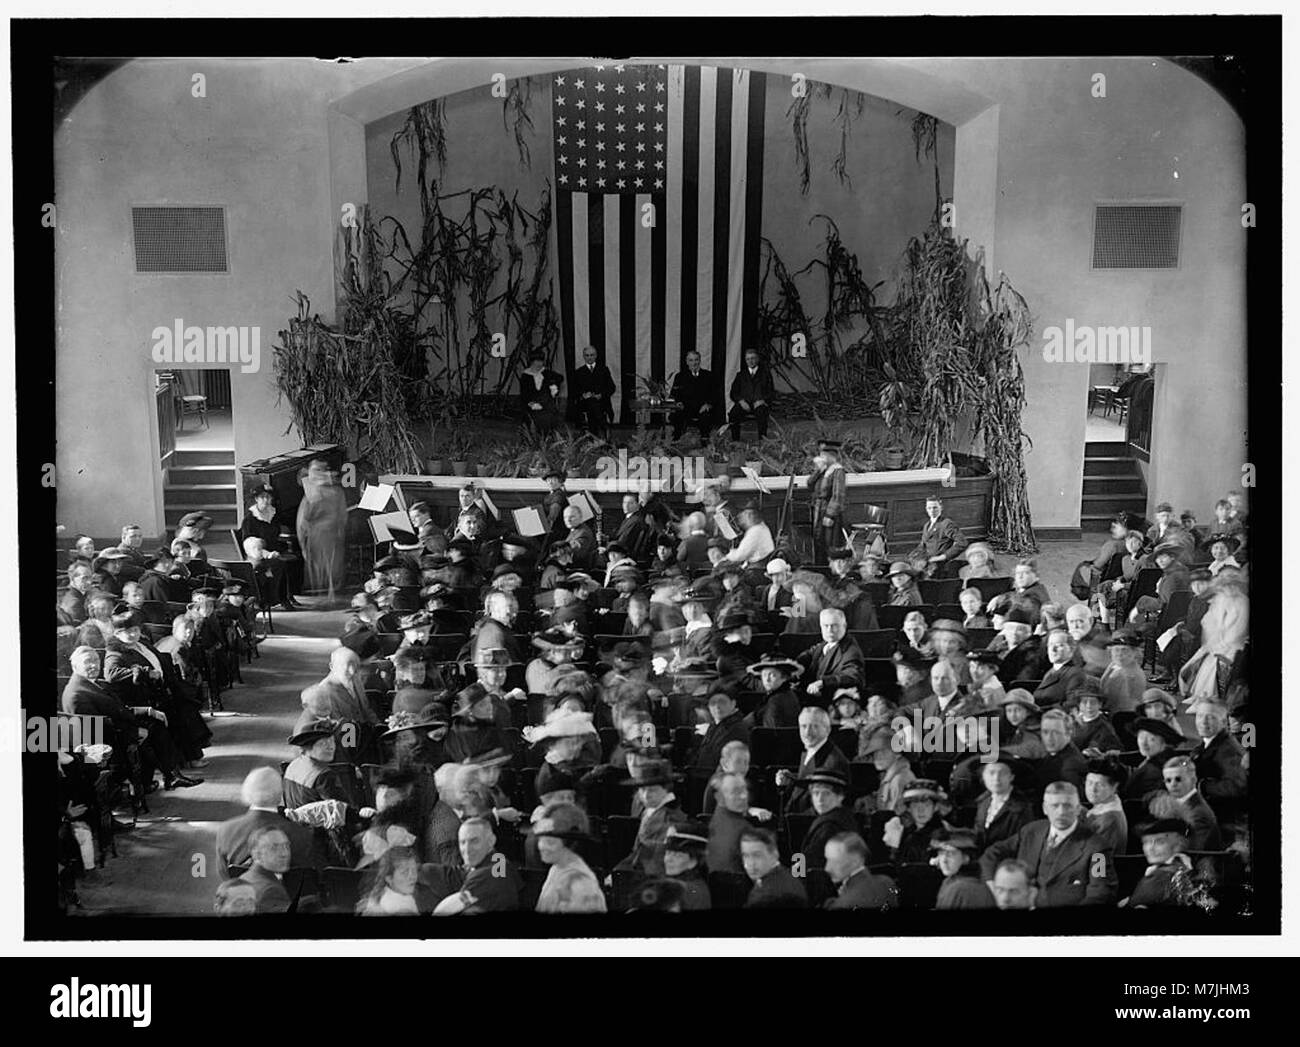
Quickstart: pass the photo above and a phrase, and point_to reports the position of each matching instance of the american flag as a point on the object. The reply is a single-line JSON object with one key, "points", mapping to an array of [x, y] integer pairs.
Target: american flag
{"points": [[659, 192]]}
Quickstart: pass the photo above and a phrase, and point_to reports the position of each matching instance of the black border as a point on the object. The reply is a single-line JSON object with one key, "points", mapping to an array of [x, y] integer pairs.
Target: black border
{"points": [[1254, 42]]}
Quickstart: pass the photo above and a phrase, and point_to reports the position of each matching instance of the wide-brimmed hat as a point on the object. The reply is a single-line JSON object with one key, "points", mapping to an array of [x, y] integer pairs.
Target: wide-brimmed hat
{"points": [[777, 566], [1019, 696], [955, 840], [493, 658], [901, 567], [1200, 574], [497, 757], [462, 544], [923, 789], [626, 572], [696, 669], [1166, 548], [1230, 540], [733, 619], [947, 625], [557, 473], [505, 568], [985, 656], [427, 718], [1018, 615], [128, 619], [416, 620], [1154, 694], [562, 723], [1160, 826], [310, 733], [112, 553], [1124, 638], [822, 776], [1110, 768], [792, 669], [194, 519], [556, 637], [561, 829], [982, 547], [629, 652], [469, 697], [689, 837], [645, 773], [842, 552], [1164, 730], [911, 657]]}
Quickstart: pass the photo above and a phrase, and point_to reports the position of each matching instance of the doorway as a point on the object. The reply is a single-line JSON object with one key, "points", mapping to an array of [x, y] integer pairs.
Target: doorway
{"points": [[1117, 444]]}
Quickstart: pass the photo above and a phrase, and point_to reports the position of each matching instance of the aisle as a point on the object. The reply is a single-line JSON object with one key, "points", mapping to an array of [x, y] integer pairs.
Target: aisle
{"points": [[166, 866]]}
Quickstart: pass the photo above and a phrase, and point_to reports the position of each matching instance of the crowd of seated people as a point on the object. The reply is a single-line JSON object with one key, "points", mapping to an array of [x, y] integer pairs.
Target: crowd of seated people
{"points": [[146, 644], [682, 721]]}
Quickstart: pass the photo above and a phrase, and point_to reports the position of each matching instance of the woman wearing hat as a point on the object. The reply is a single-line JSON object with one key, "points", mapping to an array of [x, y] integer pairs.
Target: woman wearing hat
{"points": [[1157, 741], [979, 562], [417, 728], [1159, 704], [956, 855], [1223, 550], [1023, 714], [570, 886], [780, 705], [904, 592], [908, 837], [1169, 879], [828, 791], [559, 649], [564, 763], [108, 570], [475, 723], [684, 849]]}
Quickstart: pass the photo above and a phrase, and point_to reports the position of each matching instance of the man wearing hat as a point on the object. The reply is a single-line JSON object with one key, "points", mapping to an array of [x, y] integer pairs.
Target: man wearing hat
{"points": [[1070, 863], [653, 781], [942, 541], [1167, 879], [856, 886], [829, 488], [780, 705], [827, 792], [751, 395], [833, 663]]}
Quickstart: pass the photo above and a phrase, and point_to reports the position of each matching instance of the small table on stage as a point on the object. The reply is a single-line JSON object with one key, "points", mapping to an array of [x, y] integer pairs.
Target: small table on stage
{"points": [[644, 408]]}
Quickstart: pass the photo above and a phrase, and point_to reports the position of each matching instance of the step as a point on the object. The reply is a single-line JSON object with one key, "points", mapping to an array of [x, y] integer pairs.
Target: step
{"points": [[1109, 504], [212, 456], [1119, 485], [201, 494], [1104, 448], [223, 516], [188, 475], [1110, 466]]}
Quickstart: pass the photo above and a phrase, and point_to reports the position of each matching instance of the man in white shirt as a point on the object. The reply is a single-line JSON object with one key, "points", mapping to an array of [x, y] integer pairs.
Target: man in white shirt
{"points": [[756, 543]]}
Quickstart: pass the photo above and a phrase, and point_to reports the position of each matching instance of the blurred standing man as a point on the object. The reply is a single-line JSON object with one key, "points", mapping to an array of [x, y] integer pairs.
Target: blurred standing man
{"points": [[751, 395], [693, 388], [828, 485], [590, 390]]}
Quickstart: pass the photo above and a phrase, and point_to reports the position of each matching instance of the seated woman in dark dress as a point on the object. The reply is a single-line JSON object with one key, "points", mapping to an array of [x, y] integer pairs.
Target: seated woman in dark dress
{"points": [[283, 568], [539, 390]]}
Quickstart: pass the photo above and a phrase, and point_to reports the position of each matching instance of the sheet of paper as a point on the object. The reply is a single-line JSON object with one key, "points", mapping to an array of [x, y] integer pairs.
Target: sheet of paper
{"points": [[379, 525], [1165, 638], [758, 480], [529, 522], [376, 497], [583, 503], [724, 527]]}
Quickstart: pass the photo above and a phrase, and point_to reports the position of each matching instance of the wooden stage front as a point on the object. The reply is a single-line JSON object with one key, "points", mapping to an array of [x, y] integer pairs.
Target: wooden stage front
{"points": [[902, 492]]}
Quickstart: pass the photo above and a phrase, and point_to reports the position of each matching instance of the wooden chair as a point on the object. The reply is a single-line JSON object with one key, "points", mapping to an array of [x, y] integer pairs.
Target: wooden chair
{"points": [[876, 643], [941, 590], [194, 403], [242, 571]]}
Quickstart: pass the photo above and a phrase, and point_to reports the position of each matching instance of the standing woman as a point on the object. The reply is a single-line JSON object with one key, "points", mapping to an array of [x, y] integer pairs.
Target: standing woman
{"points": [[322, 524], [539, 389], [570, 886]]}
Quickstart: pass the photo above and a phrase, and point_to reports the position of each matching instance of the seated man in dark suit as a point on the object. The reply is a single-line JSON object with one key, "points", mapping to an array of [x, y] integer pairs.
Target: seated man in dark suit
{"points": [[1218, 757], [751, 395], [694, 389], [263, 793], [942, 541], [272, 858], [1063, 674], [856, 886], [1186, 802], [819, 754], [589, 392], [774, 886], [485, 881], [835, 662], [1063, 762], [1068, 861]]}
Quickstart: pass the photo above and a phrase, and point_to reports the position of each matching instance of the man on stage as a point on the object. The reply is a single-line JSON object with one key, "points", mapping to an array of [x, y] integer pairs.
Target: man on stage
{"points": [[693, 389], [751, 395], [828, 486], [590, 390]]}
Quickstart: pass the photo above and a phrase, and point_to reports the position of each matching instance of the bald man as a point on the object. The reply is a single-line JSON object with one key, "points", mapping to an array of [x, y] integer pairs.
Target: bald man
{"points": [[262, 795], [339, 696]]}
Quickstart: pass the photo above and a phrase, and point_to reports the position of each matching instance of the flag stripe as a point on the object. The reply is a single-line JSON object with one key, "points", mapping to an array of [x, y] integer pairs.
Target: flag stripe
{"points": [[707, 204], [674, 349], [581, 279], [627, 298], [596, 271], [721, 222], [642, 289], [753, 205], [736, 247], [564, 249], [690, 175], [610, 353], [658, 261]]}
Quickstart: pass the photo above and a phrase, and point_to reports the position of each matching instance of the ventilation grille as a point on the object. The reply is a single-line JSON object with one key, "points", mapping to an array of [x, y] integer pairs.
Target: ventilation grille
{"points": [[1136, 236], [179, 239]]}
